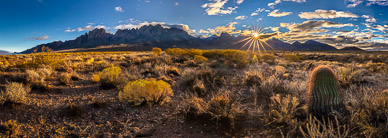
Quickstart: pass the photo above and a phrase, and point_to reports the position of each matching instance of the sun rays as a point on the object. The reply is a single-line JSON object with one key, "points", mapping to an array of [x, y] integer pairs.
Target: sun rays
{"points": [[256, 39]]}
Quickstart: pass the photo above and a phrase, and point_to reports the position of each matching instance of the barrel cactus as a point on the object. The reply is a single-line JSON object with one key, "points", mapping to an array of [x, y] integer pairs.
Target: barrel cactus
{"points": [[324, 94]]}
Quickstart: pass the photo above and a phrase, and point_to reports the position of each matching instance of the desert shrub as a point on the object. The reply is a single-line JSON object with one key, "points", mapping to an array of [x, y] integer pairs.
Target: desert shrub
{"points": [[96, 78], [137, 61], [10, 129], [222, 106], [203, 81], [37, 78], [350, 75], [268, 57], [237, 57], [254, 60], [377, 67], [314, 128], [283, 110], [65, 78], [149, 92], [369, 112], [183, 52], [194, 106], [156, 51], [15, 92], [253, 78], [273, 84], [286, 114], [294, 57], [75, 76], [109, 77], [172, 71], [200, 59], [44, 57]]}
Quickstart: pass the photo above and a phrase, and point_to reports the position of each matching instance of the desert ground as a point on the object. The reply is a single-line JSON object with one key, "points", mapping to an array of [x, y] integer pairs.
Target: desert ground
{"points": [[188, 93]]}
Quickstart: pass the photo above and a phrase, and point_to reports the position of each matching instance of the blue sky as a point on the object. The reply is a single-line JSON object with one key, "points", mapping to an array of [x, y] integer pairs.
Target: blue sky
{"points": [[362, 23]]}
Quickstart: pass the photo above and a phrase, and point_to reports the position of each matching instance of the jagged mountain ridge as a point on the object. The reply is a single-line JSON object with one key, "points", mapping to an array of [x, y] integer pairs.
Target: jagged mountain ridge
{"points": [[157, 36]]}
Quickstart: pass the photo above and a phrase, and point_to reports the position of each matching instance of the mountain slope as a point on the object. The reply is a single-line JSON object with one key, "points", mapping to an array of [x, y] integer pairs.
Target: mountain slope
{"points": [[352, 48], [3, 52]]}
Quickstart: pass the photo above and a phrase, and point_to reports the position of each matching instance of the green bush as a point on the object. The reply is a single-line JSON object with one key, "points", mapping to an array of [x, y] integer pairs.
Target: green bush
{"points": [[156, 51]]}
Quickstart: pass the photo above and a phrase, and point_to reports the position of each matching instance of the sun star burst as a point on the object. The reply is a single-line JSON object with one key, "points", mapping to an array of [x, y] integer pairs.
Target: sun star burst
{"points": [[255, 41]]}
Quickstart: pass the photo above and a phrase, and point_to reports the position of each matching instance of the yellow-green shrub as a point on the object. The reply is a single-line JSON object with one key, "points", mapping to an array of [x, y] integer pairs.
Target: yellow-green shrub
{"points": [[96, 78], [268, 57], [109, 77], [156, 51], [294, 57], [200, 59], [149, 92], [183, 52]]}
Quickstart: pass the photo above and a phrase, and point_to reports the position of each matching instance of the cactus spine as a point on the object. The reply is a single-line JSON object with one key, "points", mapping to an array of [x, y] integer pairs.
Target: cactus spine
{"points": [[324, 94]]}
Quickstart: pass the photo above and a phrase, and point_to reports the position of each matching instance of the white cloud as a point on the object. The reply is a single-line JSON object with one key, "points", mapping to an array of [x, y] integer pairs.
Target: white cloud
{"points": [[240, 17], [284, 24], [326, 14], [275, 13], [378, 2], [369, 18], [44, 37], [217, 7], [353, 3], [70, 30], [203, 31], [176, 4], [229, 28], [257, 11], [183, 27], [276, 2], [240, 1], [119, 9], [89, 27], [85, 28], [316, 24]]}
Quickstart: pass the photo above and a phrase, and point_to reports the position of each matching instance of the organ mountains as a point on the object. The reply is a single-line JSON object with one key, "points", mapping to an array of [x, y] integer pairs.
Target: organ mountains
{"points": [[149, 36]]}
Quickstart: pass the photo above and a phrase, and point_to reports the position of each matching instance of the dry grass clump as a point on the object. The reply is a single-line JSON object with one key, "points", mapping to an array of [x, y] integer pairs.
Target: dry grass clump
{"points": [[314, 128], [36, 78], [369, 112], [284, 110], [253, 78], [222, 106], [203, 82], [109, 77], [10, 129], [15, 92], [65, 78], [351, 75], [150, 92]]}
